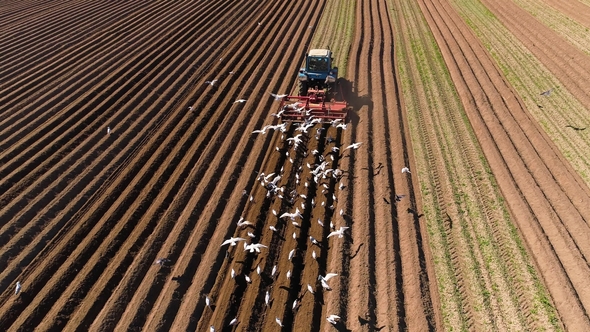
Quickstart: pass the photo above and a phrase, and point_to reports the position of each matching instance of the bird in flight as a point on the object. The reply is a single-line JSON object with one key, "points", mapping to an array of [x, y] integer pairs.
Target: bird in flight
{"points": [[354, 146], [212, 83], [333, 319], [339, 232], [278, 97], [232, 241], [161, 261], [240, 101], [546, 93]]}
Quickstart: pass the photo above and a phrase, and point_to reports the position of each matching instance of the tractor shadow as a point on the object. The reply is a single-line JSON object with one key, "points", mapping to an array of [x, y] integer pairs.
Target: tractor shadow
{"points": [[351, 95]]}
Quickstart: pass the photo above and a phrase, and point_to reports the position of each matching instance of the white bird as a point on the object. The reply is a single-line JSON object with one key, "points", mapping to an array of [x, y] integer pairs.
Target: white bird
{"points": [[293, 215], [258, 269], [313, 240], [339, 232], [279, 322], [325, 284], [354, 146], [248, 280], [294, 236], [341, 211], [310, 289], [333, 319], [255, 247], [342, 125], [161, 261], [314, 255], [240, 101], [294, 304], [272, 228], [108, 130], [212, 83], [207, 301], [328, 276], [274, 212], [267, 298], [320, 222], [274, 271], [211, 328], [232, 241], [291, 254], [406, 170], [341, 186], [233, 321], [278, 97], [18, 287], [289, 274], [250, 234], [233, 273], [243, 222]]}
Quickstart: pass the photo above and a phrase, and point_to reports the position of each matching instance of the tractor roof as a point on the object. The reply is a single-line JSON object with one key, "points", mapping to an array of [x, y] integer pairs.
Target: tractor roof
{"points": [[319, 52]]}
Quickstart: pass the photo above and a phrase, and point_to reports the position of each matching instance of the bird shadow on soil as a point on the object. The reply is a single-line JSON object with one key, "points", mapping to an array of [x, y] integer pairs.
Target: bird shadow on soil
{"points": [[341, 327], [354, 100], [372, 326]]}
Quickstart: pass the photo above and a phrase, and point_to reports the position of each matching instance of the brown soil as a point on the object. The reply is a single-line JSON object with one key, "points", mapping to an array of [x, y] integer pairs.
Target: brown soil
{"points": [[85, 214]]}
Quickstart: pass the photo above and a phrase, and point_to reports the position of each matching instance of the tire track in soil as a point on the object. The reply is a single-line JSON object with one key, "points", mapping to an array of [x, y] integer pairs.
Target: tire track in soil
{"points": [[557, 248]]}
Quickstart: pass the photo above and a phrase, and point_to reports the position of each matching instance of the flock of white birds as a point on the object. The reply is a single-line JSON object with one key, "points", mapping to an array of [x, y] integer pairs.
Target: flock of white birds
{"points": [[320, 174]]}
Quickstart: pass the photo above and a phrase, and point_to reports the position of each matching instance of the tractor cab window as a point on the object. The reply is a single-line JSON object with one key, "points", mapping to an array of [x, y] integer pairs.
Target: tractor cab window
{"points": [[318, 64]]}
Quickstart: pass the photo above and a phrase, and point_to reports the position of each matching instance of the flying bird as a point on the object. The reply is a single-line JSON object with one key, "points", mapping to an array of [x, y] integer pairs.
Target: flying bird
{"points": [[339, 232], [232, 241], [278, 97], [328, 276], [254, 247], [546, 93], [333, 319], [161, 261], [212, 83], [325, 284], [243, 222], [354, 146], [240, 101]]}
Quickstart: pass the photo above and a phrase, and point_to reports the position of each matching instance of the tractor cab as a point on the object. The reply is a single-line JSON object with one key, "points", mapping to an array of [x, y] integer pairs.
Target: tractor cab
{"points": [[318, 72]]}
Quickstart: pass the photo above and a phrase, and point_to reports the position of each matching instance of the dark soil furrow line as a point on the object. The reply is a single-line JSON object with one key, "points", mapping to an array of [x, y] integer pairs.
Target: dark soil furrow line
{"points": [[91, 174], [114, 98], [32, 46], [13, 16]]}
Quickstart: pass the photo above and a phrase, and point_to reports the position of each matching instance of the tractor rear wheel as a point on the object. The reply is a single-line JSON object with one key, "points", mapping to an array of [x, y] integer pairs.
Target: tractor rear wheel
{"points": [[303, 88]]}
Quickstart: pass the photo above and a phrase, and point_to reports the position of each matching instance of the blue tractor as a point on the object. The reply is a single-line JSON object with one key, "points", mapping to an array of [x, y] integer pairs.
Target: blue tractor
{"points": [[318, 73]]}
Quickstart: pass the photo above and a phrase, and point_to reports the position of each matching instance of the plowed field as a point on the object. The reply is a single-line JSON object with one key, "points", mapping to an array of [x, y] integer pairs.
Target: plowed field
{"points": [[123, 172]]}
